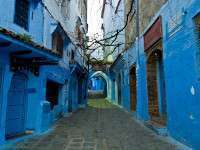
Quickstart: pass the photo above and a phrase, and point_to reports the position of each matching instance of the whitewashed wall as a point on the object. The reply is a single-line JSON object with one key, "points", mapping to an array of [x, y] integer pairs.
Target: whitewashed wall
{"points": [[67, 14], [113, 21]]}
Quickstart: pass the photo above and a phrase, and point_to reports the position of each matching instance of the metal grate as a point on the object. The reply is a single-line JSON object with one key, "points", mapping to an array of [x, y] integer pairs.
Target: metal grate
{"points": [[22, 13]]}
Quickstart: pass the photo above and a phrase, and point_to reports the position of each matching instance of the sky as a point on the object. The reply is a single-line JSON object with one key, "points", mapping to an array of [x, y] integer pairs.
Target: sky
{"points": [[94, 16], [95, 21]]}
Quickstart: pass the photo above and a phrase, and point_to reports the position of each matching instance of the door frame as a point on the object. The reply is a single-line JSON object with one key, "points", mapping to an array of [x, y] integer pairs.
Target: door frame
{"points": [[135, 107], [150, 55], [161, 96]]}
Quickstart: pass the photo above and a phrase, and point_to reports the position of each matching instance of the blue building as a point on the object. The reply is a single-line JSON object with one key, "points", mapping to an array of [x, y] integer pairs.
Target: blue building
{"points": [[41, 72], [161, 72]]}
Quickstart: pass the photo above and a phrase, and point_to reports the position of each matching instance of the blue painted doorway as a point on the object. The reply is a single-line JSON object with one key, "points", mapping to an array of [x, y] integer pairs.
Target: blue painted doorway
{"points": [[17, 98]]}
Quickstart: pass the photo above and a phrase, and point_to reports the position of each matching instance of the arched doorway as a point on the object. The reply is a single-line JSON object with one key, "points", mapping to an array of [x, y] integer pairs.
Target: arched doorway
{"points": [[97, 87], [156, 87], [133, 89], [16, 106], [106, 86]]}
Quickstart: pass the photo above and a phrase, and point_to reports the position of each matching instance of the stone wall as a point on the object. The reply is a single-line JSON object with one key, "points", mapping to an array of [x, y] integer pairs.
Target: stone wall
{"points": [[147, 12], [130, 31], [148, 9]]}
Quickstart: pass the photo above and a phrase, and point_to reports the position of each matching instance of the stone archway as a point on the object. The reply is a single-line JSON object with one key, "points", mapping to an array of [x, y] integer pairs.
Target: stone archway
{"points": [[106, 78]]}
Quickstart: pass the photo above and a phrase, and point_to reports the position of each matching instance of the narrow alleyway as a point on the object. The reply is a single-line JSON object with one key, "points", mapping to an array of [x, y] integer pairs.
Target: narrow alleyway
{"points": [[102, 126]]}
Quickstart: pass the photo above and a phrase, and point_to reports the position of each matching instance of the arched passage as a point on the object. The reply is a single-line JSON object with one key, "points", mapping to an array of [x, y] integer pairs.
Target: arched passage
{"points": [[104, 78]]}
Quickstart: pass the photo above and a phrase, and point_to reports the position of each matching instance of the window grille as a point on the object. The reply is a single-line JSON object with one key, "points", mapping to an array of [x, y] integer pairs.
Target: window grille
{"points": [[72, 55], [22, 13]]}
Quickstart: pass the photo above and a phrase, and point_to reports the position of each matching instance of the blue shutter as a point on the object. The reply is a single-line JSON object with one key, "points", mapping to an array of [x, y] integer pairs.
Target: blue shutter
{"points": [[22, 13]]}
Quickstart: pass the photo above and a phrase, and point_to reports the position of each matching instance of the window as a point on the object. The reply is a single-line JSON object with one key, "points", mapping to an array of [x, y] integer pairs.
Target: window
{"points": [[22, 13], [57, 42], [65, 8], [72, 55], [52, 93]]}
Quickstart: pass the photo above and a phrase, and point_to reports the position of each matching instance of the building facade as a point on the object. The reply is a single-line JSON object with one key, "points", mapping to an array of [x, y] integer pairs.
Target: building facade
{"points": [[160, 69], [42, 68], [113, 17]]}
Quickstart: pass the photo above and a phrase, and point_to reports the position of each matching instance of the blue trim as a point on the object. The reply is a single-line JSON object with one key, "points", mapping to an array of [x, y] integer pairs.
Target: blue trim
{"points": [[39, 51]]}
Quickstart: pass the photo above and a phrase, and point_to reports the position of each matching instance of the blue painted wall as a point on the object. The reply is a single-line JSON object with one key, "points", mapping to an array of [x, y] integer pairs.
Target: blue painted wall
{"points": [[181, 73], [36, 18], [98, 83], [39, 116], [7, 75], [120, 69]]}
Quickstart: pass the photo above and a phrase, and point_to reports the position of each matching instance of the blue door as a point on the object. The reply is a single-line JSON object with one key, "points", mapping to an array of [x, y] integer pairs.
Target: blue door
{"points": [[15, 116]]}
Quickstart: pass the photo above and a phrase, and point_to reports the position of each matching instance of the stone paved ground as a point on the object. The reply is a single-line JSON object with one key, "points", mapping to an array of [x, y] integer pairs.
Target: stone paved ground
{"points": [[101, 126]]}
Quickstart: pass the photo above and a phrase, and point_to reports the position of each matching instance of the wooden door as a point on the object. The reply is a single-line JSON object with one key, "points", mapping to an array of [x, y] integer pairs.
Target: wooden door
{"points": [[133, 89], [152, 84]]}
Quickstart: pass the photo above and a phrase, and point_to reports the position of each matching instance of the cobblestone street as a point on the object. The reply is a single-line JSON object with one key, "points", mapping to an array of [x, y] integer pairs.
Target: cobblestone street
{"points": [[101, 126]]}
